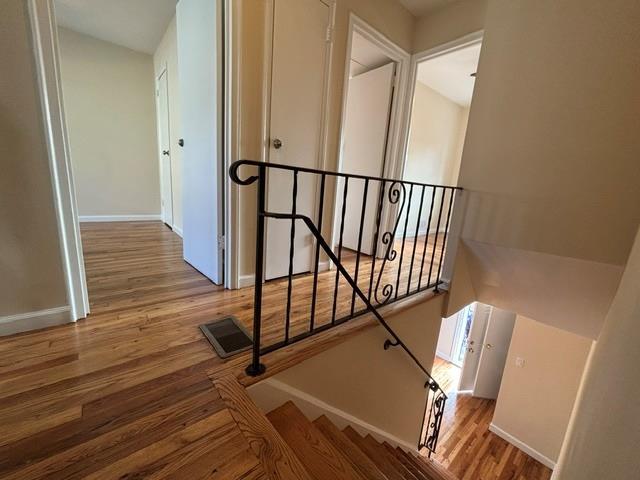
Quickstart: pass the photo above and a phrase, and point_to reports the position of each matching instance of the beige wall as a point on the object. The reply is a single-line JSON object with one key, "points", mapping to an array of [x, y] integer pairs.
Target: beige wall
{"points": [[604, 435], [166, 57], [446, 24], [536, 401], [550, 165], [109, 104], [381, 387], [31, 274], [387, 16], [434, 148]]}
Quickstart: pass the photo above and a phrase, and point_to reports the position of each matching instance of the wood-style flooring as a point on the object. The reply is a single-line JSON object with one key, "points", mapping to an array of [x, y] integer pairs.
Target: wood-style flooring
{"points": [[466, 447], [128, 392]]}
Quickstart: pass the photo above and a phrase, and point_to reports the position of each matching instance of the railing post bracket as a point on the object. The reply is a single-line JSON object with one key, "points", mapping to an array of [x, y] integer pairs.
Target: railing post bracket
{"points": [[254, 371], [388, 343]]}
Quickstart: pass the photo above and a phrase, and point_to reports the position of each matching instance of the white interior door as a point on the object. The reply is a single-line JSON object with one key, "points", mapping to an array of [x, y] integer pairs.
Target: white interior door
{"points": [[474, 347], [200, 68], [363, 151], [164, 143], [300, 55], [493, 354]]}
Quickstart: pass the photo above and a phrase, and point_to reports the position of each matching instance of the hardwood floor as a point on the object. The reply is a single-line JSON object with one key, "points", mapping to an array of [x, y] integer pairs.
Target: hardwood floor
{"points": [[128, 392], [467, 448]]}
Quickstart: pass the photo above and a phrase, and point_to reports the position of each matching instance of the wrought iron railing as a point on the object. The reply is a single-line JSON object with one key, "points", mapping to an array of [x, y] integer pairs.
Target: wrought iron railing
{"points": [[394, 252]]}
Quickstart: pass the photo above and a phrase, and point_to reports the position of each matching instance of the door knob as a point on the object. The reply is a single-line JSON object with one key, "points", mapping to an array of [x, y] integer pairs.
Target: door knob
{"points": [[277, 143], [489, 345], [165, 152]]}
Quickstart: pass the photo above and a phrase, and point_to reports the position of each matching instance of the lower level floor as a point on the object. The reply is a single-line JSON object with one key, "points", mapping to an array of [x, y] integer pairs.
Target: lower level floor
{"points": [[129, 391]]}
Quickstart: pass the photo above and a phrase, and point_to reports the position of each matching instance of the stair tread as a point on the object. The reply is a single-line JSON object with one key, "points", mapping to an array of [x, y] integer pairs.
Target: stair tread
{"points": [[357, 457], [276, 457], [422, 466], [375, 452], [319, 456], [433, 468], [404, 471], [415, 471]]}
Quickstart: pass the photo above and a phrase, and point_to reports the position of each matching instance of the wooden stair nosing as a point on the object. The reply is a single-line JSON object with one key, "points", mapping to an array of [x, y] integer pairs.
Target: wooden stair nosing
{"points": [[415, 471], [432, 467], [404, 471], [357, 457], [375, 454], [276, 457], [321, 458]]}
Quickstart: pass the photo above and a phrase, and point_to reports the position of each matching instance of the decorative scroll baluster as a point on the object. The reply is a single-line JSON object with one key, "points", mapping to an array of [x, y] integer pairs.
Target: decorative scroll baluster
{"points": [[376, 237], [404, 239]]}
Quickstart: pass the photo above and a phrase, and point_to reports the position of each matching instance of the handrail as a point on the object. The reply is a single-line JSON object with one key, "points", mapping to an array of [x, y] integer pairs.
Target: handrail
{"points": [[396, 190]]}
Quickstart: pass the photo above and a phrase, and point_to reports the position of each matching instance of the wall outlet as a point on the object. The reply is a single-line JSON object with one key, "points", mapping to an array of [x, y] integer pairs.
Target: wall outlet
{"points": [[519, 362]]}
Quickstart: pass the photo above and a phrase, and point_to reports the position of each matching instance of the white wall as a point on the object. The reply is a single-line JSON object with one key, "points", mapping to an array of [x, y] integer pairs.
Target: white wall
{"points": [[166, 57], [109, 104], [434, 150]]}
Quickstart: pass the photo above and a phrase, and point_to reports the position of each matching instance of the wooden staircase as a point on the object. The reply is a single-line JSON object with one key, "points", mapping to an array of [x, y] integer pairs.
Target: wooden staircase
{"points": [[329, 453]]}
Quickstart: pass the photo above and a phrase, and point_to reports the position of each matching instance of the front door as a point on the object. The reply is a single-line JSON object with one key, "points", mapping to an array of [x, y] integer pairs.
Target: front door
{"points": [[300, 56]]}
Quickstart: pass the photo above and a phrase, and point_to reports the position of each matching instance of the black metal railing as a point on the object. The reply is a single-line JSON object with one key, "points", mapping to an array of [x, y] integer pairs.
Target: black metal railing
{"points": [[382, 254]]}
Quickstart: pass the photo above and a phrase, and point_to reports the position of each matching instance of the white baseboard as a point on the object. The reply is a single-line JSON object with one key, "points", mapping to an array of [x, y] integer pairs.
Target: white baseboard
{"points": [[23, 322], [249, 280], [271, 393], [119, 218], [533, 453], [177, 230]]}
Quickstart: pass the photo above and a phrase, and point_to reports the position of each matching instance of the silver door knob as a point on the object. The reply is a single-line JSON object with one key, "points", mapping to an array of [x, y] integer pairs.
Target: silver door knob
{"points": [[277, 143]]}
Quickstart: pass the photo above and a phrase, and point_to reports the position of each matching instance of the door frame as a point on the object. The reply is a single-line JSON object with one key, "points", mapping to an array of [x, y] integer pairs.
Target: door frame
{"points": [[47, 65], [164, 71], [397, 119]]}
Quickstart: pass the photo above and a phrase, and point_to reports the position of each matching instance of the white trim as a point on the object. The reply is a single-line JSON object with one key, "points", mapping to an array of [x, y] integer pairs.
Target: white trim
{"points": [[272, 393], [120, 218], [394, 156], [22, 322], [230, 152], [533, 453], [417, 58], [177, 230], [246, 281], [46, 56]]}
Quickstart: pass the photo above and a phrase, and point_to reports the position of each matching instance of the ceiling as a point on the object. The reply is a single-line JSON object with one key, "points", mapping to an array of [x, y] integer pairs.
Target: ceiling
{"points": [[135, 24], [365, 55], [450, 74], [420, 7]]}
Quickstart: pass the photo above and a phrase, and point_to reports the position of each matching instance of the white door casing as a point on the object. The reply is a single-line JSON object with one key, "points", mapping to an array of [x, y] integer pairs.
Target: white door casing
{"points": [[493, 354], [363, 152], [164, 147], [200, 61], [301, 46]]}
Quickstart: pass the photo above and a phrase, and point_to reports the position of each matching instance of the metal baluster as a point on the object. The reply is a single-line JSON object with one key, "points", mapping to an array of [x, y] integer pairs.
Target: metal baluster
{"points": [[415, 239], [335, 289], [362, 214], [317, 255], [256, 368], [291, 256], [375, 238], [444, 238], [435, 242], [404, 238], [426, 237]]}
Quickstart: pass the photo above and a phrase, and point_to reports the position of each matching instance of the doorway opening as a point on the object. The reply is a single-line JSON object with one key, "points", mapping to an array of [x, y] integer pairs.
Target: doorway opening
{"points": [[141, 99]]}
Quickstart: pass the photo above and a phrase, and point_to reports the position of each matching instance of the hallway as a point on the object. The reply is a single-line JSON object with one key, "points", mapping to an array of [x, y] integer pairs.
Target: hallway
{"points": [[467, 448]]}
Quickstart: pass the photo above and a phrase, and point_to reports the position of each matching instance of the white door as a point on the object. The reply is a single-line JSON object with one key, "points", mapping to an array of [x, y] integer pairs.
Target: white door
{"points": [[200, 71], [363, 151], [474, 347], [493, 354], [300, 56], [164, 143]]}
